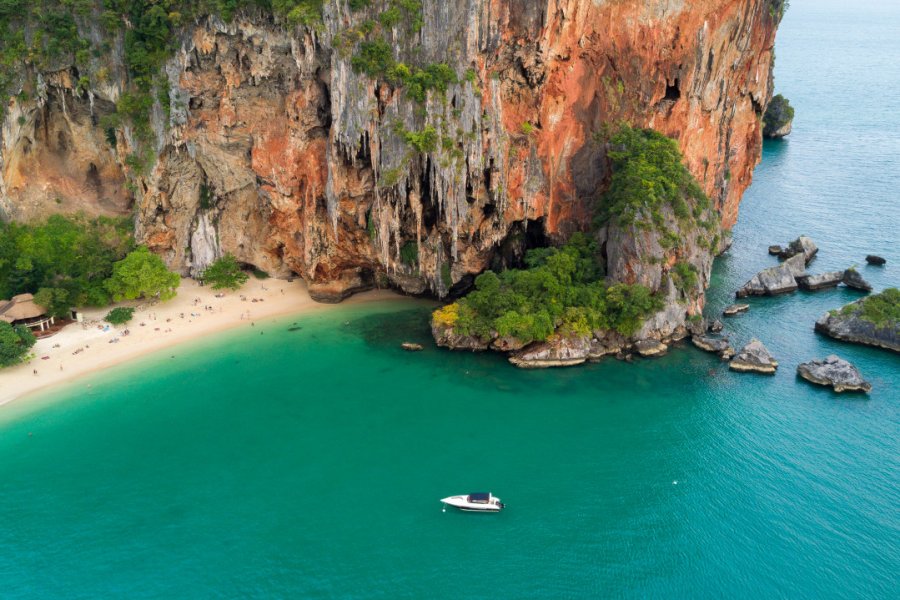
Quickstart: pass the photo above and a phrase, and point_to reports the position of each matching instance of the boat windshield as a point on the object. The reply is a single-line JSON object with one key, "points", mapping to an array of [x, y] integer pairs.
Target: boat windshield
{"points": [[480, 498]]}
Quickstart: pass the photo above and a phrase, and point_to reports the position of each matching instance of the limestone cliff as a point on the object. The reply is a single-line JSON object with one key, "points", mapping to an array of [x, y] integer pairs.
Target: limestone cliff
{"points": [[272, 146]]}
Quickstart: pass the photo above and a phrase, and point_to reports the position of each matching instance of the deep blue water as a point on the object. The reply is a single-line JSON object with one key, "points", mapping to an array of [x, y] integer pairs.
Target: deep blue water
{"points": [[309, 463]]}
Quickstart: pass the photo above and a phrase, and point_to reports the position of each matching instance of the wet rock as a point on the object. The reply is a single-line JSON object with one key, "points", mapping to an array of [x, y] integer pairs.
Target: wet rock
{"points": [[446, 337], [818, 282], [849, 324], [558, 351], [697, 327], [802, 245], [735, 309], [716, 326], [852, 279], [507, 344], [781, 279], [716, 345], [834, 372], [754, 357], [605, 343], [775, 250], [649, 348], [873, 259], [411, 346]]}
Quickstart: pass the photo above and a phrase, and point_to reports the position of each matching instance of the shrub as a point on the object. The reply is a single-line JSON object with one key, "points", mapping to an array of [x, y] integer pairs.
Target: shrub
{"points": [[142, 274], [15, 342], [225, 273], [881, 309], [119, 315]]}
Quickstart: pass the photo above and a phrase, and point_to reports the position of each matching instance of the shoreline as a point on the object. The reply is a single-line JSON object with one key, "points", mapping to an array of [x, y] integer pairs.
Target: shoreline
{"points": [[82, 349]]}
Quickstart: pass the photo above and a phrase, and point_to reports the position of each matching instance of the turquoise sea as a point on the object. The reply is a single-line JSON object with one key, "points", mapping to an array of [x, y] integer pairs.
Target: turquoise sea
{"points": [[309, 463]]}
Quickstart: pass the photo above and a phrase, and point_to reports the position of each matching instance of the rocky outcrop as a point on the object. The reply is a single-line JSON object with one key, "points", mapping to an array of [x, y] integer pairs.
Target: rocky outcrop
{"points": [[852, 279], [447, 337], [834, 372], [779, 118], [271, 147], [735, 309], [853, 323], [780, 279], [650, 348], [819, 282], [775, 250], [716, 345], [754, 357], [558, 351], [873, 259], [802, 245]]}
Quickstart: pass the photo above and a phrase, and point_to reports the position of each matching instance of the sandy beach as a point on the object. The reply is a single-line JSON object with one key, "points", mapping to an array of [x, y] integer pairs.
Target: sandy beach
{"points": [[82, 348]]}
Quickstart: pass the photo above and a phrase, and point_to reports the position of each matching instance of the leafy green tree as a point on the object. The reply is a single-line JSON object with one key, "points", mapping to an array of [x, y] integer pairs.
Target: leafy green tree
{"points": [[15, 342], [54, 300], [225, 273], [119, 315], [142, 274]]}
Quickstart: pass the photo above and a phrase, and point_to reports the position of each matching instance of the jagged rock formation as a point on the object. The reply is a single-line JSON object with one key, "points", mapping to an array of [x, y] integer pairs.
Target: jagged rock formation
{"points": [[275, 149], [852, 279], [834, 372], [821, 281], [779, 118], [780, 279], [754, 357], [714, 344], [873, 321], [802, 245]]}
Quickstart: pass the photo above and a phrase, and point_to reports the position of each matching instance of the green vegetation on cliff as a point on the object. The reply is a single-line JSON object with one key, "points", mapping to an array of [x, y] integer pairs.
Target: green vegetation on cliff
{"points": [[648, 175], [64, 260], [880, 309], [561, 290], [779, 114]]}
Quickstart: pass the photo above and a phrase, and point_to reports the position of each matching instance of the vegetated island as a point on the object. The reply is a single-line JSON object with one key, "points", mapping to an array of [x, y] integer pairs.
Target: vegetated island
{"points": [[779, 118], [873, 321]]}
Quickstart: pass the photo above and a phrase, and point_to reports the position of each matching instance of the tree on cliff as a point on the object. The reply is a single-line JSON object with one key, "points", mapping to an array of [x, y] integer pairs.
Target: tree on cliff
{"points": [[142, 274], [15, 342], [225, 273]]}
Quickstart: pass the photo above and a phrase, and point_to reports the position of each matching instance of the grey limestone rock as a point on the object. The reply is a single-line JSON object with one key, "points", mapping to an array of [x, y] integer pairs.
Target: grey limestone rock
{"points": [[754, 357], [834, 372], [821, 281], [780, 279], [852, 279]]}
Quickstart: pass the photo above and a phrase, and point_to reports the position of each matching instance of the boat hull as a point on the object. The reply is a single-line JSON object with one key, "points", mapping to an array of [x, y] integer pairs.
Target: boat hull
{"points": [[465, 503]]}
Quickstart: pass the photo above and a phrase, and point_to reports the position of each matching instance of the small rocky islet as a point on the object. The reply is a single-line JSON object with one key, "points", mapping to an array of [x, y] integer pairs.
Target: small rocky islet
{"points": [[835, 372], [871, 321]]}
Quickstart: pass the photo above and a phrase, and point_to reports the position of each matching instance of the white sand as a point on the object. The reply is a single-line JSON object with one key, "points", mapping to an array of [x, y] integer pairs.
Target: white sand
{"points": [[157, 327]]}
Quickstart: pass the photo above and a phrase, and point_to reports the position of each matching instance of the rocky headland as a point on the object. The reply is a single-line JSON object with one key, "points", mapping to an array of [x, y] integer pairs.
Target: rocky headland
{"points": [[872, 321]]}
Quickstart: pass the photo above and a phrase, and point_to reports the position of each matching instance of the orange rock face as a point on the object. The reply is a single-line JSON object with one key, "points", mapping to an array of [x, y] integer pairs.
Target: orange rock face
{"points": [[277, 151]]}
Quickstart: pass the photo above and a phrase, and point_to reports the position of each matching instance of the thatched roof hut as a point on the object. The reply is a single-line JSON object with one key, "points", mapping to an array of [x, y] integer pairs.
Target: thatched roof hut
{"points": [[20, 309]]}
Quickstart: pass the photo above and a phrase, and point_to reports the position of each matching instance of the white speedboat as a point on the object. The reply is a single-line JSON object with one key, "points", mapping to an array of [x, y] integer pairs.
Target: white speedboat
{"points": [[479, 502]]}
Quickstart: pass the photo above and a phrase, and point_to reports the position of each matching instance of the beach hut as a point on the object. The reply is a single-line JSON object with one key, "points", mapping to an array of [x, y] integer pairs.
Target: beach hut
{"points": [[22, 310]]}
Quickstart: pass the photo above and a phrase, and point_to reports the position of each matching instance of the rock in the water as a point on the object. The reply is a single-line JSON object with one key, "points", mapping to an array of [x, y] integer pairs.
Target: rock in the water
{"points": [[717, 345], [879, 326], [716, 325], [821, 281], [735, 309], [775, 250], [853, 279], [778, 118], [447, 337], [802, 245], [754, 357], [873, 259], [836, 372], [647, 348], [558, 351], [780, 279], [411, 346]]}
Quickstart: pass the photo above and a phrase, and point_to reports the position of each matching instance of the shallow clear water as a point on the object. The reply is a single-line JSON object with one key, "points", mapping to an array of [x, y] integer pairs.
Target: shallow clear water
{"points": [[309, 463]]}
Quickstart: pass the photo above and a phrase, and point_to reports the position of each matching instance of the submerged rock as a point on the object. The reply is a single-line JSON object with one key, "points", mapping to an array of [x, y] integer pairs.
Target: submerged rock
{"points": [[834, 372], [558, 351], [411, 346], [754, 357], [802, 245], [852, 279], [775, 250], [735, 309], [854, 323], [780, 279], [717, 345], [649, 348], [873, 259], [821, 281]]}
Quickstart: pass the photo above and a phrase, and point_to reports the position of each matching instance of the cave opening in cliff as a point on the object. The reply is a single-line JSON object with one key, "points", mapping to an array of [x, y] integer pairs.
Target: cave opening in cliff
{"points": [[673, 91]]}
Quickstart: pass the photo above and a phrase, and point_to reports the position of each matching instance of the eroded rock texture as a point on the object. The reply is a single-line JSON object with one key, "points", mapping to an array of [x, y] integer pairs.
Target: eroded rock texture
{"points": [[276, 150]]}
